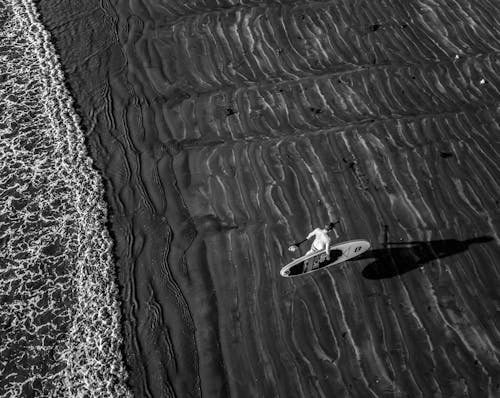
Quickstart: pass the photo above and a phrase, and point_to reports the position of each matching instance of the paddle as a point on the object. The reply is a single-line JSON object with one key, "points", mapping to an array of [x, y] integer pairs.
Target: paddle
{"points": [[296, 245]]}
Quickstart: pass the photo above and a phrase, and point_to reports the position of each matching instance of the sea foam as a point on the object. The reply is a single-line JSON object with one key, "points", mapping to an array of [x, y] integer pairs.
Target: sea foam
{"points": [[59, 309]]}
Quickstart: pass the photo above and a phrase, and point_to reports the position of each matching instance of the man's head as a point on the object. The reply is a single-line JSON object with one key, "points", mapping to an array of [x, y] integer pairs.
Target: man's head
{"points": [[329, 226]]}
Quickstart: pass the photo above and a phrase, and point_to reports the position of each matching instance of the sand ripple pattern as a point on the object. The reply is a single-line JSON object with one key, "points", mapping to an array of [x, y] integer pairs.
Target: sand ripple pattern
{"points": [[59, 318], [229, 129]]}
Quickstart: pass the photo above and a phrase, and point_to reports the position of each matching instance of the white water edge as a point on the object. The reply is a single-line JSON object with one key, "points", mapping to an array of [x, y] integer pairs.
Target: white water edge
{"points": [[59, 309]]}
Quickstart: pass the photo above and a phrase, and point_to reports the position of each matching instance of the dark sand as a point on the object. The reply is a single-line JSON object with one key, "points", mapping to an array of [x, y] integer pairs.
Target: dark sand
{"points": [[226, 132]]}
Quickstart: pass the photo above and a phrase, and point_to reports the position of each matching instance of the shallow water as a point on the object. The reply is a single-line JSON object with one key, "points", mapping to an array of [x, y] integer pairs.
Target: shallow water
{"points": [[227, 130]]}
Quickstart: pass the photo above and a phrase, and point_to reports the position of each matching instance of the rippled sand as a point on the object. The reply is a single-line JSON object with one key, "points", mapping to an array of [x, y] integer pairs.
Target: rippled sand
{"points": [[227, 130], [59, 318]]}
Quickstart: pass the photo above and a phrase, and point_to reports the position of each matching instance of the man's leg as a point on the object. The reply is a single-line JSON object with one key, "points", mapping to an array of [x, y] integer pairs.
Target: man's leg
{"points": [[308, 264]]}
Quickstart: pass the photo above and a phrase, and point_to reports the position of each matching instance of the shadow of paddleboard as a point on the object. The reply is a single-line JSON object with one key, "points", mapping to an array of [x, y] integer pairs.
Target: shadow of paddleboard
{"points": [[398, 258]]}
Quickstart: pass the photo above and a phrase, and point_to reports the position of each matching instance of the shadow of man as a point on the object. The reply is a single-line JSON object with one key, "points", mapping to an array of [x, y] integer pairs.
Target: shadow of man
{"points": [[397, 258]]}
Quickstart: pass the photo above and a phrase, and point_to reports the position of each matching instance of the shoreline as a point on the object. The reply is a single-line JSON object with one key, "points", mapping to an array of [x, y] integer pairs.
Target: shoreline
{"points": [[74, 246]]}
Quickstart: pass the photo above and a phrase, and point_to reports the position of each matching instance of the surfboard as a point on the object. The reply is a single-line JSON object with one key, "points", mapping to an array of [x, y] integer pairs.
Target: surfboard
{"points": [[315, 261]]}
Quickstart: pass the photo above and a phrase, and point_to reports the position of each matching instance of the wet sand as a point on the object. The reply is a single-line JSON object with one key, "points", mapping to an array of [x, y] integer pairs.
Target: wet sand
{"points": [[226, 131]]}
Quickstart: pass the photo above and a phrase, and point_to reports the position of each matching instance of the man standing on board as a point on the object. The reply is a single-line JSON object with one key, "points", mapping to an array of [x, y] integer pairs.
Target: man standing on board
{"points": [[321, 240]]}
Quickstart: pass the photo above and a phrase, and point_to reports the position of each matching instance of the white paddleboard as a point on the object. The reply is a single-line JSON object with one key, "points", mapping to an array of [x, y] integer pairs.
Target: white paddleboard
{"points": [[338, 254]]}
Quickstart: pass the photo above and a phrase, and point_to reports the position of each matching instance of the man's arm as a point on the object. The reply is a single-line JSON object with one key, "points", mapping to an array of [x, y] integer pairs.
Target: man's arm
{"points": [[327, 250], [311, 234]]}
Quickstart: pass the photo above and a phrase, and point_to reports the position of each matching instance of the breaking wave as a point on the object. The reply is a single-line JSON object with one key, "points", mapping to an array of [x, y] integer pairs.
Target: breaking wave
{"points": [[59, 315]]}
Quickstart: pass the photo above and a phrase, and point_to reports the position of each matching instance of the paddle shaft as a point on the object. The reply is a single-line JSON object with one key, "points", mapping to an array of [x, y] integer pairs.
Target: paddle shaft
{"points": [[299, 243]]}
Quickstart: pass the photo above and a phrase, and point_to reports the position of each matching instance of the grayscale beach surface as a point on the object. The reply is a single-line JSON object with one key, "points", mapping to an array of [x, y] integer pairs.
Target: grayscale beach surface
{"points": [[59, 315], [226, 130]]}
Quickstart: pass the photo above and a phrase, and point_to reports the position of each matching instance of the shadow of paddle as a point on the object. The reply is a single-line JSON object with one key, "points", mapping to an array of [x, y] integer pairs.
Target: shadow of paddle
{"points": [[397, 258]]}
